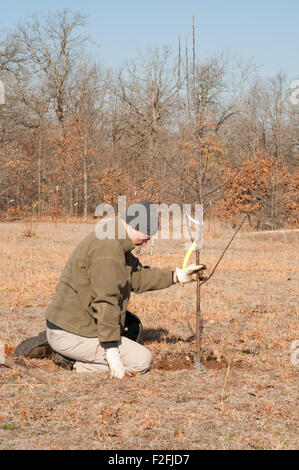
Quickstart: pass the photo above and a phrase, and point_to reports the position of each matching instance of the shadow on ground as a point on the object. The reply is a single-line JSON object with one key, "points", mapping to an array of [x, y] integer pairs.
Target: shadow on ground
{"points": [[161, 335]]}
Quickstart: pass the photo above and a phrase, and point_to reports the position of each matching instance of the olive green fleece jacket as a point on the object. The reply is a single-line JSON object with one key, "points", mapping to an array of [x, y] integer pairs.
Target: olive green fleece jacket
{"points": [[94, 288]]}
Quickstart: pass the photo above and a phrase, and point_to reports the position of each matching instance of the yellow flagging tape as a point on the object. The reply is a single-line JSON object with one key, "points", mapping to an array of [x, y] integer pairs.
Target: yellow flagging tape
{"points": [[188, 254]]}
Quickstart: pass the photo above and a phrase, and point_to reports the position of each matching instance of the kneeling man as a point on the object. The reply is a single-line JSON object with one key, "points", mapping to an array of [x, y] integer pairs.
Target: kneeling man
{"points": [[86, 318]]}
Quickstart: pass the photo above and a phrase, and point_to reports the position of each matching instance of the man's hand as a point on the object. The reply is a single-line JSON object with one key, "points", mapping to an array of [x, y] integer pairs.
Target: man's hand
{"points": [[189, 275], [115, 364]]}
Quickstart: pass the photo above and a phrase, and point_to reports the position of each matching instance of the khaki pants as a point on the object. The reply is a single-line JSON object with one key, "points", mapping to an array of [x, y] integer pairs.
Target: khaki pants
{"points": [[90, 356]]}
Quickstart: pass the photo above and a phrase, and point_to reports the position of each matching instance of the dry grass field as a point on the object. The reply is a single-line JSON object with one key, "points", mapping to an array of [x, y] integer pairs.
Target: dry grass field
{"points": [[247, 398]]}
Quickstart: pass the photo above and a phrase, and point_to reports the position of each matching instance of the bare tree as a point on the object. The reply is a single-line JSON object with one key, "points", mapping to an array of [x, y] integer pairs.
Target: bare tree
{"points": [[11, 58], [267, 121], [52, 49], [147, 93], [213, 98], [276, 95], [88, 102]]}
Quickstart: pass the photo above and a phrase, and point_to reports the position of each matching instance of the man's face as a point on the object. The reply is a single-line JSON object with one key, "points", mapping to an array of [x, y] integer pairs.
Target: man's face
{"points": [[139, 238]]}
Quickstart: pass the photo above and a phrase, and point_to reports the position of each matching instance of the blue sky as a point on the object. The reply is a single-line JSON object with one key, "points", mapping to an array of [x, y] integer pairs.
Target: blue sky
{"points": [[265, 30]]}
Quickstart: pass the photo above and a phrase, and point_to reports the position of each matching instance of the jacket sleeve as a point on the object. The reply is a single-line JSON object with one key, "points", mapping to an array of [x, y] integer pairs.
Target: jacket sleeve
{"points": [[108, 278], [146, 278]]}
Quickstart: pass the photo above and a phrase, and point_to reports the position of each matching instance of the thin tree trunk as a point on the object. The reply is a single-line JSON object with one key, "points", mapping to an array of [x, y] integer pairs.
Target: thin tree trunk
{"points": [[85, 182], [39, 166], [193, 46], [77, 202], [71, 199], [187, 80], [198, 313]]}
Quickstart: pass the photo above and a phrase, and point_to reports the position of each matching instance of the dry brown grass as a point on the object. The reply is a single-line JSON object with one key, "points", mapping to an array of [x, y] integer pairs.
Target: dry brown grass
{"points": [[250, 316]]}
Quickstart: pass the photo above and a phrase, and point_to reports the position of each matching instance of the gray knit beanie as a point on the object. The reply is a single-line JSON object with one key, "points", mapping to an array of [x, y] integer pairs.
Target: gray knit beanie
{"points": [[142, 216]]}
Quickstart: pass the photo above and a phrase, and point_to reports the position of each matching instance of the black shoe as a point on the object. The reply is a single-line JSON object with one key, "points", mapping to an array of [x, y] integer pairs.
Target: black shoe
{"points": [[63, 361], [36, 347]]}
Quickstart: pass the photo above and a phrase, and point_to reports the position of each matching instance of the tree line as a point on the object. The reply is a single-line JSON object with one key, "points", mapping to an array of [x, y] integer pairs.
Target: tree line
{"points": [[166, 126]]}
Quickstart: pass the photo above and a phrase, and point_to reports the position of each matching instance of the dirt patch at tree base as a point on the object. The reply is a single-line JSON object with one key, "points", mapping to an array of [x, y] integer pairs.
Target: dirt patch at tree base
{"points": [[179, 362]]}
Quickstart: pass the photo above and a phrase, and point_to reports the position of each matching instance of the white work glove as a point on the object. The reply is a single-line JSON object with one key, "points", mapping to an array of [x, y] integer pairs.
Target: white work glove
{"points": [[115, 364], [190, 273]]}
